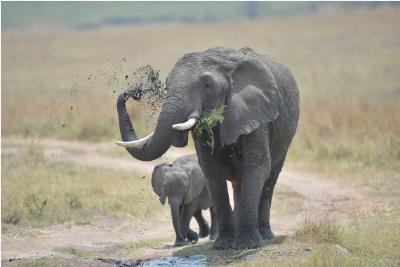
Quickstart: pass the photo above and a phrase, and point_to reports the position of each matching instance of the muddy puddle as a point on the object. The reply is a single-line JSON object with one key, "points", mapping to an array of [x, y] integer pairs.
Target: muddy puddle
{"points": [[191, 261]]}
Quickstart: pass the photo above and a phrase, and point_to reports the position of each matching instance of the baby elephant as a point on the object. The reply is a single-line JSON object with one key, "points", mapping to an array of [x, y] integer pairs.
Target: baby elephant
{"points": [[185, 186]]}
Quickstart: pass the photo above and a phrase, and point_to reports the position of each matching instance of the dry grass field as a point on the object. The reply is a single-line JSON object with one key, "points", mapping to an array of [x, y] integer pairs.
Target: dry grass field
{"points": [[70, 78], [62, 84]]}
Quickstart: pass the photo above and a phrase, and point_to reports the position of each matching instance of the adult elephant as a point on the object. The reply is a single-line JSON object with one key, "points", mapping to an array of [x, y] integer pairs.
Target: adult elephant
{"points": [[260, 120]]}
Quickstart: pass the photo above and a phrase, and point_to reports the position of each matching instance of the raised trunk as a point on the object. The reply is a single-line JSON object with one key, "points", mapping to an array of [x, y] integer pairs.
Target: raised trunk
{"points": [[163, 136]]}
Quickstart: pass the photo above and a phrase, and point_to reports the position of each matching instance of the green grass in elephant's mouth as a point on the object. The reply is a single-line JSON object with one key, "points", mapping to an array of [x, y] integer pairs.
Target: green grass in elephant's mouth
{"points": [[206, 122]]}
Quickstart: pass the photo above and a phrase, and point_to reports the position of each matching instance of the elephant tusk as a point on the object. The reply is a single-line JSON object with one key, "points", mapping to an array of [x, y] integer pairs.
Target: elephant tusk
{"points": [[186, 125], [136, 143]]}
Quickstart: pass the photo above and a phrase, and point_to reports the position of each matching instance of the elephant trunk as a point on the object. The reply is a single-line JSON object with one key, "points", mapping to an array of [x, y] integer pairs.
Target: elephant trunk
{"points": [[175, 204], [164, 135], [163, 195]]}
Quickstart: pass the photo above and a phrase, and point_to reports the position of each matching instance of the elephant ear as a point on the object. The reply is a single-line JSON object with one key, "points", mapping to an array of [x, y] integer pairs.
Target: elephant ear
{"points": [[157, 180], [196, 185], [255, 99]]}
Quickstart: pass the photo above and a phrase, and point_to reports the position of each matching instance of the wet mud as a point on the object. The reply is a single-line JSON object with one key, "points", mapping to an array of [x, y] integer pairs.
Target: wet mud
{"points": [[190, 261]]}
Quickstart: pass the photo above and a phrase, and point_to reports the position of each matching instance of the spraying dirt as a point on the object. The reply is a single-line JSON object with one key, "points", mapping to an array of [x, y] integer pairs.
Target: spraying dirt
{"points": [[145, 86]]}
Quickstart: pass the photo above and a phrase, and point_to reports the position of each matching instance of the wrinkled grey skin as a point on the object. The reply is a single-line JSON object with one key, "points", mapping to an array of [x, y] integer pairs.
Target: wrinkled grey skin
{"points": [[260, 121], [185, 186]]}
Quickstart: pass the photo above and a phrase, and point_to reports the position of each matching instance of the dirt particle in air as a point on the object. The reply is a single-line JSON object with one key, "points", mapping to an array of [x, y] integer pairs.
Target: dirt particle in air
{"points": [[145, 86]]}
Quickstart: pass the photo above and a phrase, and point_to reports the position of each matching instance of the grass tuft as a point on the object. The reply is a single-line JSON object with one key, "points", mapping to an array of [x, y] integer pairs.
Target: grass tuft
{"points": [[319, 232]]}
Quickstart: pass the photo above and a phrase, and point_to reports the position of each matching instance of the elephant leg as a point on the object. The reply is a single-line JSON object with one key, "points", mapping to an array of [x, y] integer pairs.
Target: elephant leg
{"points": [[204, 229], [256, 166], [264, 207], [192, 236], [186, 216], [236, 195], [215, 172], [214, 224], [220, 196]]}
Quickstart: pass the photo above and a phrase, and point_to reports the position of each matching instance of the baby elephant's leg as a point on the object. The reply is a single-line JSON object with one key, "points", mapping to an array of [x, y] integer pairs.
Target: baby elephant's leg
{"points": [[204, 229], [192, 236], [214, 224], [187, 214]]}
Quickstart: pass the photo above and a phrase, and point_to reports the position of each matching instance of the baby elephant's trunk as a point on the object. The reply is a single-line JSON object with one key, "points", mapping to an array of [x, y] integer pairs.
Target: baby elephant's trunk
{"points": [[175, 204], [163, 195]]}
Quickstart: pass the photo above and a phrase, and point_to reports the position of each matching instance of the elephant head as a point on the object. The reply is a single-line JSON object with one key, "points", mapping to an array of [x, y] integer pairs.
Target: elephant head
{"points": [[201, 82], [178, 184]]}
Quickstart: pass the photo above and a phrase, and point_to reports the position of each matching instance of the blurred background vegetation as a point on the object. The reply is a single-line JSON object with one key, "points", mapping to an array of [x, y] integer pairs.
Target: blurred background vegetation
{"points": [[63, 65], [93, 15]]}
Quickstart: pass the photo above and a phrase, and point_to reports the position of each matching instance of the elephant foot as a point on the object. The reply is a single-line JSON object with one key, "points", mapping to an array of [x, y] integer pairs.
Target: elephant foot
{"points": [[213, 235], [266, 233], [179, 243], [213, 232], [204, 232], [249, 237], [192, 237], [225, 239]]}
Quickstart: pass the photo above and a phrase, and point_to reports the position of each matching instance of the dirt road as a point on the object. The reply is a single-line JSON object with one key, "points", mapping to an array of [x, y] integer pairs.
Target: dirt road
{"points": [[316, 194]]}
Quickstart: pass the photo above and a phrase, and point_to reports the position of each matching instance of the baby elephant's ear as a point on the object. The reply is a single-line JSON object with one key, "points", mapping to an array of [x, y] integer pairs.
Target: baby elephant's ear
{"points": [[255, 99], [157, 179]]}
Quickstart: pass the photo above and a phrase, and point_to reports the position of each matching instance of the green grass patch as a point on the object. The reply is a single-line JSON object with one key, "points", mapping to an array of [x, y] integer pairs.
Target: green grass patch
{"points": [[56, 261], [320, 233], [375, 237], [37, 191], [275, 249], [372, 240], [45, 262], [77, 252], [130, 249]]}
